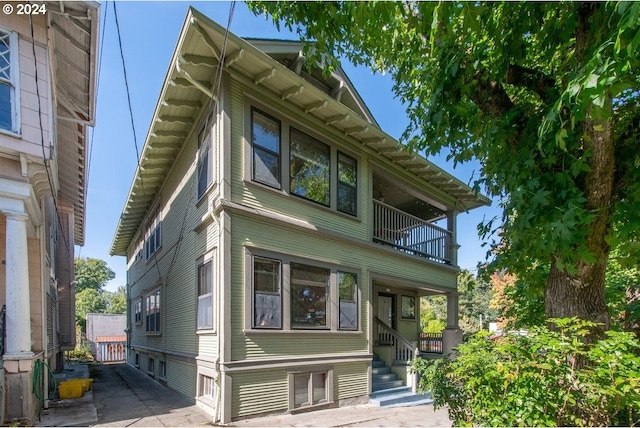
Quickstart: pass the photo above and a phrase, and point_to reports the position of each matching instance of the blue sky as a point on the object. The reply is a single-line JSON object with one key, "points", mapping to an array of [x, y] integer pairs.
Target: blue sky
{"points": [[149, 31]]}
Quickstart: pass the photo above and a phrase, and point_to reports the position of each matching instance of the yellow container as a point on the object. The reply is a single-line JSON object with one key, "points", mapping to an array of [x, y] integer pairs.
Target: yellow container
{"points": [[70, 389], [85, 382]]}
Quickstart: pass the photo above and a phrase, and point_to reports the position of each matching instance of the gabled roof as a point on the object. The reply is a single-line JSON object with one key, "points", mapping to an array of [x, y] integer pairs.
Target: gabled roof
{"points": [[187, 87]]}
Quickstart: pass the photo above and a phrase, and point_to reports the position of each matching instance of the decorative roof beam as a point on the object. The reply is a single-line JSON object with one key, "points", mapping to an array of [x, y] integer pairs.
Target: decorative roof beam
{"points": [[376, 141], [207, 61], [159, 157], [267, 74], [337, 92], [201, 86], [181, 103], [298, 63], [315, 106], [336, 119], [175, 119], [288, 93], [356, 130], [206, 37], [233, 58], [168, 134], [59, 30]]}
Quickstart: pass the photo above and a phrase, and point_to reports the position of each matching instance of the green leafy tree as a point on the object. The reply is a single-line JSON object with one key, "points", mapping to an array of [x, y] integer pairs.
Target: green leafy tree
{"points": [[116, 302], [92, 274], [88, 301], [544, 95]]}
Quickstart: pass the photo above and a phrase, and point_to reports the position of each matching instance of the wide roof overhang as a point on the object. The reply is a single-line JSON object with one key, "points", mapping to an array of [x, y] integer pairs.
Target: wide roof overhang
{"points": [[188, 86]]}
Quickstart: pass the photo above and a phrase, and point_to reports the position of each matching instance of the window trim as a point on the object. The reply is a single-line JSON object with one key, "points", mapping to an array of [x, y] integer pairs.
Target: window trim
{"points": [[157, 315], [253, 294], [357, 302], [404, 316], [14, 83], [293, 130], [266, 150], [205, 140], [153, 233], [328, 400], [137, 310], [201, 263], [333, 320], [341, 183]]}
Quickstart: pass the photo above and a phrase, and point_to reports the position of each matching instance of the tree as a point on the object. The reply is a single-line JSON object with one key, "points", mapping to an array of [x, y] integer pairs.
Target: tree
{"points": [[92, 273], [116, 302], [88, 301], [544, 95]]}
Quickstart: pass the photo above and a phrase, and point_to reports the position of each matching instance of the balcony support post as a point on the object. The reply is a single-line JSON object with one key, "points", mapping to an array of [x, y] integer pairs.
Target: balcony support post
{"points": [[452, 245], [452, 335]]}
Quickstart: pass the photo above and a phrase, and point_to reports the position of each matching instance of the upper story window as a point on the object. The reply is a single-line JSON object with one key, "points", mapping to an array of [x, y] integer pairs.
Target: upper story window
{"points": [[138, 311], [265, 142], [205, 159], [9, 105], [310, 167], [347, 184], [153, 240]]}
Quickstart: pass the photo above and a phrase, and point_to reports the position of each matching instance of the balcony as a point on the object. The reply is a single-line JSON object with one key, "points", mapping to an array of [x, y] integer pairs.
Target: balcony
{"points": [[411, 234]]}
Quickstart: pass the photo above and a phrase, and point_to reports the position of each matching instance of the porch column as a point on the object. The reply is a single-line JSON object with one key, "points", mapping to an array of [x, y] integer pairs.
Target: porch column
{"points": [[18, 321], [452, 335], [453, 242]]}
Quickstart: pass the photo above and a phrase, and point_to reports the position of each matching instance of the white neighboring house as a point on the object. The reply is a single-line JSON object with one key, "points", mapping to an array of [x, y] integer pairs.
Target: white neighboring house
{"points": [[47, 101]]}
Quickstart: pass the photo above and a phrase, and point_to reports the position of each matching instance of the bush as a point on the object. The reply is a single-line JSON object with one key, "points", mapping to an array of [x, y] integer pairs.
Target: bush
{"points": [[548, 378]]}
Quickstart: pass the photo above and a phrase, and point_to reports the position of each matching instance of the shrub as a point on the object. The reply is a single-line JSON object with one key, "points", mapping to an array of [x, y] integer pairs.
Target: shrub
{"points": [[548, 378]]}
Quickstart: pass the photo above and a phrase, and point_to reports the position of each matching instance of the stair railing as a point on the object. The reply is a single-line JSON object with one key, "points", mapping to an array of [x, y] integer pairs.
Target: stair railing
{"points": [[402, 350]]}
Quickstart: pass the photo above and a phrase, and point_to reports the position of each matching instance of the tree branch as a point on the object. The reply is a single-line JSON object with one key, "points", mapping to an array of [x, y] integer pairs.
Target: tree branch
{"points": [[534, 80]]}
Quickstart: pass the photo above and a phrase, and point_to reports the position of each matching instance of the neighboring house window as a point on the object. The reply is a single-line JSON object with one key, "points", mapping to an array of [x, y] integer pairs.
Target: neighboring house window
{"points": [[151, 367], [309, 296], [265, 142], [347, 184], [162, 370], [267, 295], [153, 312], [9, 103], [310, 166], [205, 295], [310, 388], [153, 240], [205, 159], [138, 311], [312, 291], [348, 300]]}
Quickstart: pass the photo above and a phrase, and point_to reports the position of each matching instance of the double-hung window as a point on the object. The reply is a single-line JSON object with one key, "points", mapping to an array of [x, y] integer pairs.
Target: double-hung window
{"points": [[310, 166], [347, 184], [318, 297], [152, 323], [205, 295], [205, 159], [267, 293], [153, 240], [265, 142], [138, 311], [9, 102]]}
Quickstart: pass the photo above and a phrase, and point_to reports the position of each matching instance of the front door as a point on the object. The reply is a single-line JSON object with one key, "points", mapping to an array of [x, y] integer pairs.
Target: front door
{"points": [[386, 309]]}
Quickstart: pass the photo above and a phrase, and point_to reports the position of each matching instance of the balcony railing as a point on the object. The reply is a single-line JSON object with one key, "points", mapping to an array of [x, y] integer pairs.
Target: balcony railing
{"points": [[410, 234], [430, 343]]}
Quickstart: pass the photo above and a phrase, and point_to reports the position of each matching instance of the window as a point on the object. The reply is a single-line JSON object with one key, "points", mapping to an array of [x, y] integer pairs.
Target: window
{"points": [[207, 387], [309, 296], [267, 295], [312, 291], [408, 307], [205, 295], [347, 184], [310, 388], [205, 161], [9, 104], [151, 369], [309, 167], [348, 300], [153, 240], [162, 370], [137, 360], [138, 311], [153, 312], [265, 141]]}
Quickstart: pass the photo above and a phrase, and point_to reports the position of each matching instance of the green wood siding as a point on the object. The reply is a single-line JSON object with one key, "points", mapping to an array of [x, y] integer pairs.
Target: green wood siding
{"points": [[208, 345], [181, 376], [259, 391], [350, 380]]}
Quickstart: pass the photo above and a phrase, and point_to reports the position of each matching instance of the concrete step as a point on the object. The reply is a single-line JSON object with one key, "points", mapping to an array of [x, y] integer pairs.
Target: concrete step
{"points": [[399, 397], [377, 364], [386, 377], [380, 370], [386, 385]]}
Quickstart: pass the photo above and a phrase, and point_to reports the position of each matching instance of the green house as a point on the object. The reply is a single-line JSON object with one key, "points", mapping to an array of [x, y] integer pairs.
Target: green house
{"points": [[278, 241]]}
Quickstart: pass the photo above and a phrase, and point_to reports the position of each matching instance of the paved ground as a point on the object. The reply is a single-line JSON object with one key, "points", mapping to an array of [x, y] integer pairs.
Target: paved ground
{"points": [[123, 396]]}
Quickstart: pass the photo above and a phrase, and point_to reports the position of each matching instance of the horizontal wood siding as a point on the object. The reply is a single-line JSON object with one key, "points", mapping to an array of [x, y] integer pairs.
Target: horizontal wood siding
{"points": [[257, 196], [259, 391], [181, 376], [350, 380], [207, 345]]}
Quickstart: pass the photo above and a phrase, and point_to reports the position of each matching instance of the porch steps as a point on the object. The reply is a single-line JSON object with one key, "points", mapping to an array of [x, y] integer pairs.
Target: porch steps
{"points": [[389, 391], [399, 397]]}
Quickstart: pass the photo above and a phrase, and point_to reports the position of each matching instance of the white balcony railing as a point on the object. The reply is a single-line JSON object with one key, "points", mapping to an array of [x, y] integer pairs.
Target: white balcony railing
{"points": [[410, 234]]}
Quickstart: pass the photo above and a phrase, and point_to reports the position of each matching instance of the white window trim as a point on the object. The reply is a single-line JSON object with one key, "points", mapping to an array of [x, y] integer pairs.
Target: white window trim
{"points": [[137, 300], [206, 138], [207, 258], [333, 315], [14, 82], [148, 332]]}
